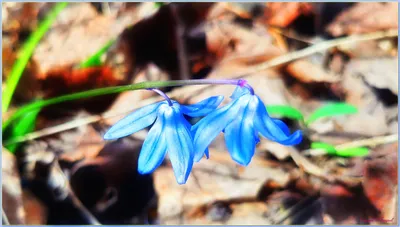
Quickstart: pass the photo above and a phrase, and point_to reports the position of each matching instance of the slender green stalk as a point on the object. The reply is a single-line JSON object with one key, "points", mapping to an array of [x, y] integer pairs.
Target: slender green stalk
{"points": [[95, 59], [109, 90], [26, 52]]}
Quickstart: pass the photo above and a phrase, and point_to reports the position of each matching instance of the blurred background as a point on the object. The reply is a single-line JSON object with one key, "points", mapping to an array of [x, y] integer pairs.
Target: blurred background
{"points": [[329, 69]]}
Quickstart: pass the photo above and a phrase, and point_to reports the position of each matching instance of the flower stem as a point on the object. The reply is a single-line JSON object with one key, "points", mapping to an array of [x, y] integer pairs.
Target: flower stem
{"points": [[158, 91], [112, 90], [243, 83]]}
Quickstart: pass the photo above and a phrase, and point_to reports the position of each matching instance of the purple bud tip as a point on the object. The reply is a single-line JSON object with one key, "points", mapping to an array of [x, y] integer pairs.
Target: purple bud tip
{"points": [[242, 82]]}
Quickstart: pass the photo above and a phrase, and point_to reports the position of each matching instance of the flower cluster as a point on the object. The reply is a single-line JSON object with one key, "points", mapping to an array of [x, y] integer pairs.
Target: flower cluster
{"points": [[241, 121]]}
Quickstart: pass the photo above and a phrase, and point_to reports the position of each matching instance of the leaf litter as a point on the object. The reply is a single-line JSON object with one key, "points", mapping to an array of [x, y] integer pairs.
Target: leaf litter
{"points": [[74, 171]]}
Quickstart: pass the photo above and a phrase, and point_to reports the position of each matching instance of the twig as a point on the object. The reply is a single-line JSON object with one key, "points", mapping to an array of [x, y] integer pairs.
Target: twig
{"points": [[274, 62], [299, 207], [47, 170], [183, 62], [317, 48], [370, 142], [309, 167]]}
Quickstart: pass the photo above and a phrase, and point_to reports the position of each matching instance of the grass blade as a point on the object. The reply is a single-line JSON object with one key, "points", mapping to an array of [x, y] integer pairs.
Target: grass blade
{"points": [[95, 59], [97, 92], [26, 52], [329, 148], [285, 111], [22, 127], [330, 110], [353, 152]]}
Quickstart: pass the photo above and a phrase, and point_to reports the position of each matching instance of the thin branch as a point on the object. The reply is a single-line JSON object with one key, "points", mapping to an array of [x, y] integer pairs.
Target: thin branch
{"points": [[371, 142], [317, 48], [183, 62]]}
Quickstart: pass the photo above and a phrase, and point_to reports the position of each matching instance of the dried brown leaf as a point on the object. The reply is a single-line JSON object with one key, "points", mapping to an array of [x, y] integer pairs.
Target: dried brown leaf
{"points": [[211, 180], [308, 72], [281, 14], [77, 33], [365, 17], [11, 189], [380, 182]]}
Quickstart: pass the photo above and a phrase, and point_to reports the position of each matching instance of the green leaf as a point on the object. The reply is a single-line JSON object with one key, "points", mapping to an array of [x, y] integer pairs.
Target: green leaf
{"points": [[25, 54], [22, 127], [353, 152], [285, 111], [159, 4], [346, 152], [95, 59], [329, 148], [330, 110]]}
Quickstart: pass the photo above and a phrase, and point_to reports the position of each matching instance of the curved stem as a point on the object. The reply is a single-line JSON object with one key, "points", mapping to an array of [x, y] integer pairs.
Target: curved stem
{"points": [[165, 96], [243, 83], [111, 90]]}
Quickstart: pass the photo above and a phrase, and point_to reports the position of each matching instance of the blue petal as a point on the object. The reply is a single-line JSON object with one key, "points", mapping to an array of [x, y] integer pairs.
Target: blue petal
{"points": [[282, 125], [134, 122], [198, 154], [239, 91], [273, 129], [256, 137], [239, 136], [188, 125], [202, 108], [179, 144], [154, 148], [211, 125], [207, 153]]}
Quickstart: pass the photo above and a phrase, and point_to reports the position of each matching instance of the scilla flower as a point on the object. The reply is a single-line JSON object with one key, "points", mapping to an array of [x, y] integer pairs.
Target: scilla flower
{"points": [[241, 120], [170, 133]]}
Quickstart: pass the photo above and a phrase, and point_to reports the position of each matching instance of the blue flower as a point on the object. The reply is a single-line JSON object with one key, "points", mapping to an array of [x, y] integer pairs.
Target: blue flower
{"points": [[170, 133], [241, 121]]}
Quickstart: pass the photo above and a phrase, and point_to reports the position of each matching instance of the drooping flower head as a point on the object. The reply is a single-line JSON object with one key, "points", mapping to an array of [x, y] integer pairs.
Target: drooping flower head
{"points": [[171, 133], [241, 121]]}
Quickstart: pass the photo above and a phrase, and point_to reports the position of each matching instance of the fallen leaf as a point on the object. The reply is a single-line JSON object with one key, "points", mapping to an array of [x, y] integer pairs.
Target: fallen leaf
{"points": [[20, 16], [109, 183], [307, 72], [211, 180], [370, 108], [249, 214], [36, 211], [380, 182], [385, 48], [235, 44], [365, 17], [282, 14], [381, 73], [153, 39], [12, 202], [77, 33], [86, 143], [281, 152], [60, 81]]}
